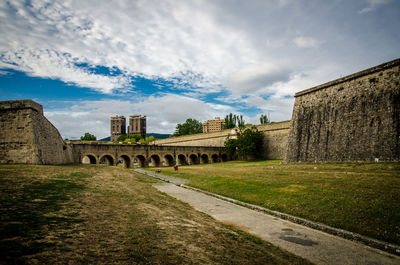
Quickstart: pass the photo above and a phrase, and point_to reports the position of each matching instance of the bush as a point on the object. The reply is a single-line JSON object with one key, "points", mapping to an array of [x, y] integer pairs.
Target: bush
{"points": [[190, 126], [250, 143], [247, 146], [88, 137], [230, 146]]}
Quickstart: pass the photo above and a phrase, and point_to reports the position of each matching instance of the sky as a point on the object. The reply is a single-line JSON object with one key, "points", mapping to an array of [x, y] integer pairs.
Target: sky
{"points": [[170, 60]]}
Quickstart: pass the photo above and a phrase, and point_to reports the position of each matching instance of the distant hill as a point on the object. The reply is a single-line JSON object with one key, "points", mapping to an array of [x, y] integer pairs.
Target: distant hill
{"points": [[155, 135], [158, 135]]}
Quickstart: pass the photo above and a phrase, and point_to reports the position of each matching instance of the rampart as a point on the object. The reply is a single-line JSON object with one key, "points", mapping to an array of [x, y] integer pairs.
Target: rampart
{"points": [[26, 136], [354, 118], [275, 139]]}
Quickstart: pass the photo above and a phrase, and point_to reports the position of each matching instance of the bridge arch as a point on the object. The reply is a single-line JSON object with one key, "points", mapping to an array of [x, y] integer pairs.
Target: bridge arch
{"points": [[214, 158], [169, 160], [155, 160], [204, 159], [181, 160], [124, 160], [89, 159], [193, 159], [107, 159], [141, 160], [224, 157]]}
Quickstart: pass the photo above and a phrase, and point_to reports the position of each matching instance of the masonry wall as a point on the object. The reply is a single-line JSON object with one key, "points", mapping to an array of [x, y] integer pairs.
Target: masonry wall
{"points": [[275, 139], [354, 118], [26, 136]]}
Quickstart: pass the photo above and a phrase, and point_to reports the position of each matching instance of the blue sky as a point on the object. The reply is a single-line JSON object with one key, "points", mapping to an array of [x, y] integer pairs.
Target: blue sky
{"points": [[86, 61]]}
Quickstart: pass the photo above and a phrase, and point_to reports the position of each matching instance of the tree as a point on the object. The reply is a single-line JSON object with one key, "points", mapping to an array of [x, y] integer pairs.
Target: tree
{"points": [[88, 137], [129, 140], [190, 126], [230, 121], [121, 138], [150, 139], [233, 121], [240, 121], [230, 147], [264, 119], [248, 145], [135, 136], [132, 138]]}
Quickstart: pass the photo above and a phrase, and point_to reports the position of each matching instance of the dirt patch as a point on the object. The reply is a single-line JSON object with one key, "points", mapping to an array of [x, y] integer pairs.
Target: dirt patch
{"points": [[110, 215]]}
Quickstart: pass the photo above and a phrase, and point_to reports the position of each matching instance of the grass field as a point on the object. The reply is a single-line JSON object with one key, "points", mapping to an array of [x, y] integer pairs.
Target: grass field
{"points": [[362, 198], [111, 215]]}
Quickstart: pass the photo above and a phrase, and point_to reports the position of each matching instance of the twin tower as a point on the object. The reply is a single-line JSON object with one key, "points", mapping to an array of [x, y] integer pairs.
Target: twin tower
{"points": [[137, 125]]}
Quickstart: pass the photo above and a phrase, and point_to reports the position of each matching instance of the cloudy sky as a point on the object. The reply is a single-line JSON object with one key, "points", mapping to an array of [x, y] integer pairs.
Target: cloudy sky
{"points": [[85, 61]]}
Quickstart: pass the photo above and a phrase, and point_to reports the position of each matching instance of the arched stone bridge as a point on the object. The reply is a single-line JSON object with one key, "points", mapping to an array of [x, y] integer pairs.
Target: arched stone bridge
{"points": [[146, 155]]}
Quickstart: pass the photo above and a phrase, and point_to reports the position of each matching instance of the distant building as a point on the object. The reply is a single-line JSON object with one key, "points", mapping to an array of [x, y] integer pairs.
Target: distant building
{"points": [[215, 125], [118, 127], [137, 125]]}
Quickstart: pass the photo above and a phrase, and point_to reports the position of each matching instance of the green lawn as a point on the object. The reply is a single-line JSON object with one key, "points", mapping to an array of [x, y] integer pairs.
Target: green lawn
{"points": [[359, 197]]}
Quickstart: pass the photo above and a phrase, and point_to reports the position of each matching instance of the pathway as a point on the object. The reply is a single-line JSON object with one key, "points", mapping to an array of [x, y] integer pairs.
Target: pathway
{"points": [[314, 245]]}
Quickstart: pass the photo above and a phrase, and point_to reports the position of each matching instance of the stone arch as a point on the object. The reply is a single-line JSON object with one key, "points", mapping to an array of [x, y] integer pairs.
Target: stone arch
{"points": [[141, 160], [214, 158], [107, 159], [89, 159], [204, 159], [181, 160], [169, 160], [224, 157], [124, 160], [155, 160], [193, 159]]}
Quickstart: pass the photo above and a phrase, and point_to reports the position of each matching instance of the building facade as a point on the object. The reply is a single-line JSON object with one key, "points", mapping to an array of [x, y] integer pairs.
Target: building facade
{"points": [[215, 125], [118, 127], [137, 125]]}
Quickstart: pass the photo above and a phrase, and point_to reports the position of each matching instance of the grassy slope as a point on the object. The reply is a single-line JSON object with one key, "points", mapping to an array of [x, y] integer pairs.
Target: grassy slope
{"points": [[362, 198], [110, 215]]}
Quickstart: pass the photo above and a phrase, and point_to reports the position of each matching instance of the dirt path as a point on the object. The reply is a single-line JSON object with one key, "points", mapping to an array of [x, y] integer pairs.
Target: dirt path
{"points": [[316, 246]]}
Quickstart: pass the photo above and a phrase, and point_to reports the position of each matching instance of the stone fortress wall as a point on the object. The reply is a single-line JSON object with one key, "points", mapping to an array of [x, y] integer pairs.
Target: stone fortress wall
{"points": [[354, 118], [275, 139], [26, 136]]}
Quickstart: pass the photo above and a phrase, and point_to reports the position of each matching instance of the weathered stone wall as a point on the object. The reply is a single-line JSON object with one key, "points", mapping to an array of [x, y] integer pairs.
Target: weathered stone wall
{"points": [[275, 139], [354, 118], [26, 136], [201, 139]]}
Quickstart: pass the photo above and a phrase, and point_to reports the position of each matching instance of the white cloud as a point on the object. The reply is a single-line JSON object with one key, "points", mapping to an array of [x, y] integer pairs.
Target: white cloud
{"points": [[254, 77], [307, 42], [51, 64], [165, 39], [372, 5]]}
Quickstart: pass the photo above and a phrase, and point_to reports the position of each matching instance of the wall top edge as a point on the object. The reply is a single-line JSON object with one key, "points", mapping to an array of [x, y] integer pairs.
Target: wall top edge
{"points": [[368, 71], [21, 104], [262, 127]]}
